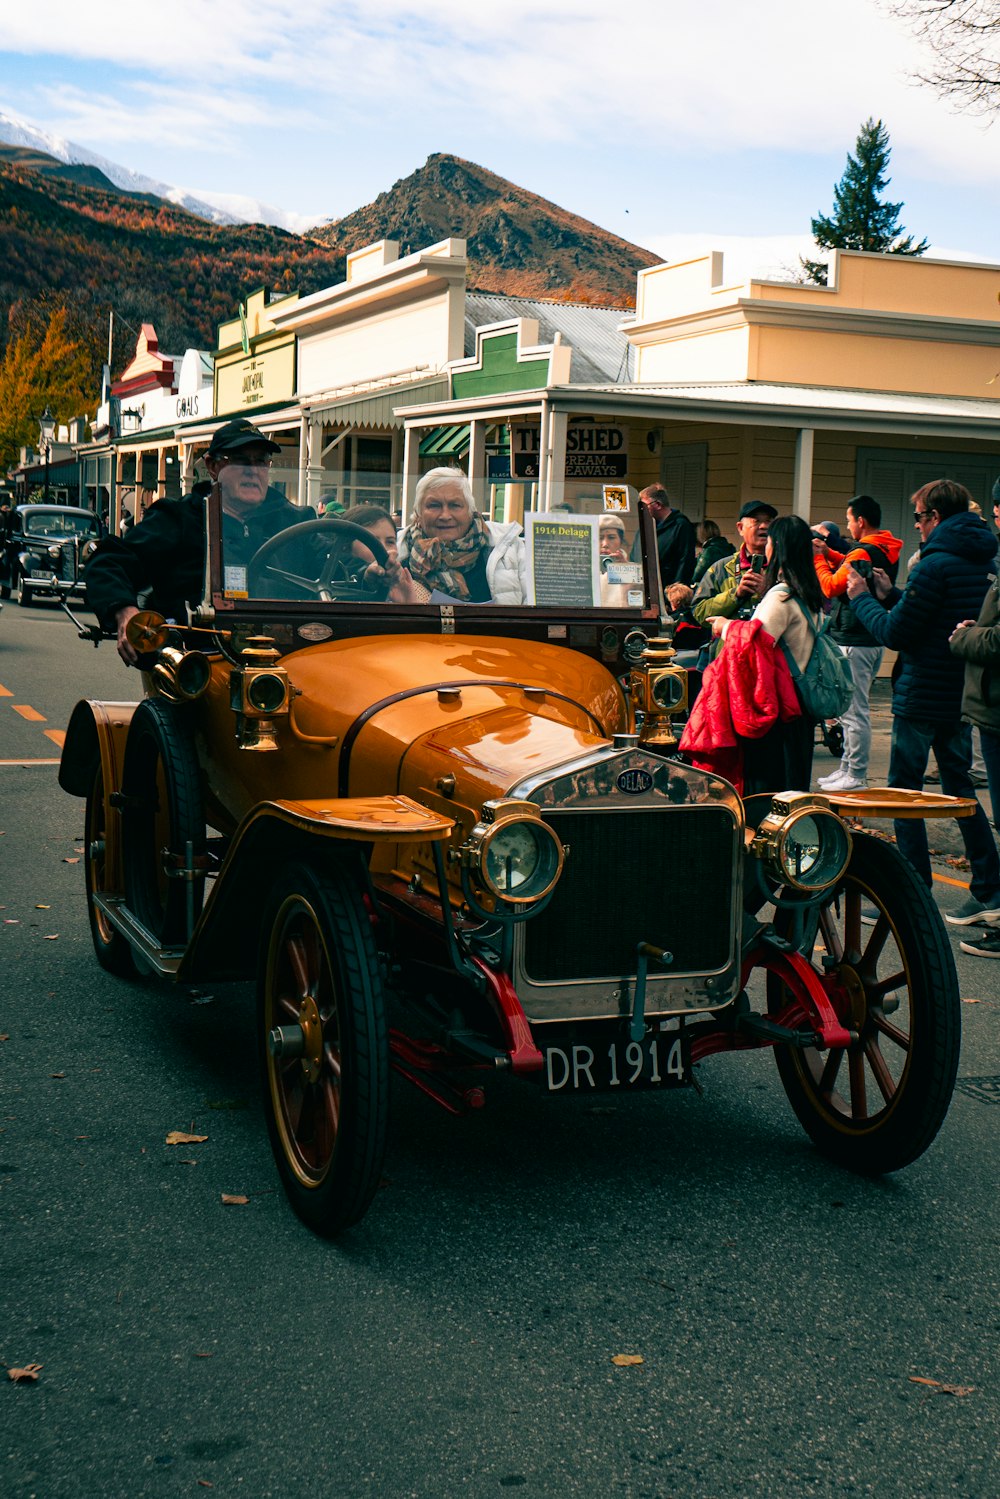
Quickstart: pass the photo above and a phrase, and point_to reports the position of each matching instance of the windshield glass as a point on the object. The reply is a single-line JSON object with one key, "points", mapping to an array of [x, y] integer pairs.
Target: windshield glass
{"points": [[447, 554], [57, 525]]}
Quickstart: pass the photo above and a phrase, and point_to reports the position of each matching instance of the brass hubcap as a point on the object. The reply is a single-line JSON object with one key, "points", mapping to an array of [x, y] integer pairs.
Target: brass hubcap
{"points": [[312, 1032]]}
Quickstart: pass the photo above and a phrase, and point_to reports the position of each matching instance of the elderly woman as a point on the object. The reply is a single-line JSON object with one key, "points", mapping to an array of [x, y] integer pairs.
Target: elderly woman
{"points": [[450, 548]]}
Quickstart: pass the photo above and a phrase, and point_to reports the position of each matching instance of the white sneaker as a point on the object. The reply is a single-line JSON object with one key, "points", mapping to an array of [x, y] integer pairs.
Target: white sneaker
{"points": [[844, 782], [833, 776]]}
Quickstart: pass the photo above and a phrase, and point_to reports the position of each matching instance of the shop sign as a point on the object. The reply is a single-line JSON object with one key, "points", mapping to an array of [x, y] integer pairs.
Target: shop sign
{"points": [[594, 450], [259, 379], [186, 406]]}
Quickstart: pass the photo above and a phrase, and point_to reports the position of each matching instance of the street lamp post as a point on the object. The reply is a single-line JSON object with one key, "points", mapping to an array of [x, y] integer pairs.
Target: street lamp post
{"points": [[47, 430]]}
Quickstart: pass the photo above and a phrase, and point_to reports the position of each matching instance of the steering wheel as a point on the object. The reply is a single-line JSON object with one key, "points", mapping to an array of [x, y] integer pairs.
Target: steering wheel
{"points": [[335, 581]]}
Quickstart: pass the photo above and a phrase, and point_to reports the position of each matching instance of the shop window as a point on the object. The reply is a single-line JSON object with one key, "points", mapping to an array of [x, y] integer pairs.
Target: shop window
{"points": [[368, 472], [684, 473], [892, 475]]}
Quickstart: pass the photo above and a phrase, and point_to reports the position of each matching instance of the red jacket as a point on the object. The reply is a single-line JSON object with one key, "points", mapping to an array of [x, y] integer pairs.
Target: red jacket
{"points": [[746, 690]]}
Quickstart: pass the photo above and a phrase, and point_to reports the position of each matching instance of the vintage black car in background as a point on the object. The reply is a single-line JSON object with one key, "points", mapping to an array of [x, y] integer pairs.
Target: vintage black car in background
{"points": [[48, 549]]}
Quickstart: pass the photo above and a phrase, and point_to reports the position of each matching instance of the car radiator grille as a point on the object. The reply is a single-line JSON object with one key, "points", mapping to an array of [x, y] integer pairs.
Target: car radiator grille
{"points": [[660, 877]]}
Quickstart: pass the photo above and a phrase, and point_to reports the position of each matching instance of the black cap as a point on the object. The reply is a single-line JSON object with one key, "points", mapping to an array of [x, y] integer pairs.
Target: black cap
{"points": [[238, 434], [757, 507]]}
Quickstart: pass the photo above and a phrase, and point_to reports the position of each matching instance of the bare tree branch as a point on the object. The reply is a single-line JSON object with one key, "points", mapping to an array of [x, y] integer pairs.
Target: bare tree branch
{"points": [[964, 36]]}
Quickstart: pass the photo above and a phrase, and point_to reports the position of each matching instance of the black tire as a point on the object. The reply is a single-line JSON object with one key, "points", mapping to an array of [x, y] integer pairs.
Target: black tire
{"points": [[162, 811], [835, 740], [327, 1109], [900, 993], [113, 952], [25, 597], [4, 590]]}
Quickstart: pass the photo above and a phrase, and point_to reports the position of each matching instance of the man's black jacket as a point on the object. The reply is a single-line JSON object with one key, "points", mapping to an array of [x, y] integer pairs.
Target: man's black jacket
{"points": [[164, 556]]}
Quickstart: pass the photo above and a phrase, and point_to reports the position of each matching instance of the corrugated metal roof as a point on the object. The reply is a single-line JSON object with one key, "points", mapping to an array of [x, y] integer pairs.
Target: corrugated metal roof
{"points": [[600, 352], [880, 402], [376, 410]]}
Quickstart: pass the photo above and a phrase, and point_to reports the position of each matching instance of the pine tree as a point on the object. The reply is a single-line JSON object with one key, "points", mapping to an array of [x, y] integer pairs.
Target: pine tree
{"points": [[860, 219]]}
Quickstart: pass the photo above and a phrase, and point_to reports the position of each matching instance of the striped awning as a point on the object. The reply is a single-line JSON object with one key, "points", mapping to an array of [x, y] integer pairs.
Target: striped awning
{"points": [[447, 442]]}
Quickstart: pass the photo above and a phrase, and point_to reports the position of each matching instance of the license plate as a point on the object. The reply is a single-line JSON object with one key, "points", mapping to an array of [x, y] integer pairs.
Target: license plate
{"points": [[39, 572], [659, 1061]]}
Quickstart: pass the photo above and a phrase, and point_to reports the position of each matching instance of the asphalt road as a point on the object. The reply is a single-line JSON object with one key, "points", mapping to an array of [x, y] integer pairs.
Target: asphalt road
{"points": [[460, 1340]]}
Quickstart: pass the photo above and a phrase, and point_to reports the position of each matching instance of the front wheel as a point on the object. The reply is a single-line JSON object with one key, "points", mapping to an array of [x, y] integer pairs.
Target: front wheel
{"points": [[25, 597], [876, 1105], [325, 1048]]}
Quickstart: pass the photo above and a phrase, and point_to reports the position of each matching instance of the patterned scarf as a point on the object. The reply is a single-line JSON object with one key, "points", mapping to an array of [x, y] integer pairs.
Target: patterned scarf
{"points": [[441, 564]]}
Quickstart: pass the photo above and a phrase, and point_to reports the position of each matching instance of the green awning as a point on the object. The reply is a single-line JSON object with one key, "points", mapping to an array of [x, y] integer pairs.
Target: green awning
{"points": [[447, 442]]}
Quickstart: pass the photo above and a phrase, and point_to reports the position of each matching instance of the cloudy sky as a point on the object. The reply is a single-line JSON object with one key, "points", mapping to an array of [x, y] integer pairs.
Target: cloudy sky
{"points": [[679, 126]]}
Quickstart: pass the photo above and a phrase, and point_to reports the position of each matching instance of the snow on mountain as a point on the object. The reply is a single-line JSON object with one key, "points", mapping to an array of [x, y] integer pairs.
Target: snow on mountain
{"points": [[218, 208], [235, 208]]}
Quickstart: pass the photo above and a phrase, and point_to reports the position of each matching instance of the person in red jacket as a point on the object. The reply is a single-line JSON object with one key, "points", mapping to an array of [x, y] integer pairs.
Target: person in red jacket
{"points": [[871, 547]]}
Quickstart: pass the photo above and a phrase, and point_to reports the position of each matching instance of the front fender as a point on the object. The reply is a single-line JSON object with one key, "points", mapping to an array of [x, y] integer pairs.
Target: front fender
{"points": [[328, 832], [95, 738]]}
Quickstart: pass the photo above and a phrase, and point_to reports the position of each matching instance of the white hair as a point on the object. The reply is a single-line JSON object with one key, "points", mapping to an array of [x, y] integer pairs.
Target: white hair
{"points": [[434, 478]]}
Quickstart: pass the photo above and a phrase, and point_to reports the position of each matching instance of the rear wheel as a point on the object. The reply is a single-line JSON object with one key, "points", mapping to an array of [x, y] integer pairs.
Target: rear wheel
{"points": [[876, 1106], [113, 952], [325, 1049], [163, 822]]}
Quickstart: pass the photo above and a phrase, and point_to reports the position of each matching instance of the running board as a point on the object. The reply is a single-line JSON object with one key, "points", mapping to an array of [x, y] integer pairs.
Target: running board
{"points": [[165, 961]]}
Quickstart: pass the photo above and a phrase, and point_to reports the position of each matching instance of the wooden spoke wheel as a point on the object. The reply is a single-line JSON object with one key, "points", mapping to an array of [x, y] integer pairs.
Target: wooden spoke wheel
{"points": [[325, 1052], [877, 1105]]}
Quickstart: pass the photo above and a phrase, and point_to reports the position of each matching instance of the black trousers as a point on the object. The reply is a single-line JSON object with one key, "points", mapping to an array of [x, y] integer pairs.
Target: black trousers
{"points": [[782, 759]]}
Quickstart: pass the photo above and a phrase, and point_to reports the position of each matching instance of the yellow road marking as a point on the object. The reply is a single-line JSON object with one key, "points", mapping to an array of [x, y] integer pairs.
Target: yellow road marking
{"points": [[946, 879], [29, 762], [32, 714], [58, 736], [5, 691]]}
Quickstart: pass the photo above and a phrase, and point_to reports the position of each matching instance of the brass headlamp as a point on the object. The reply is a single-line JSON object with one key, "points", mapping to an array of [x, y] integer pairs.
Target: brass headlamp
{"points": [[658, 689], [802, 841], [512, 853]]}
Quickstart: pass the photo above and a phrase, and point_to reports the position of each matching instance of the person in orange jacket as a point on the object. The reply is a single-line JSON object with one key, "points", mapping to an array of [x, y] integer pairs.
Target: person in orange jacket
{"points": [[872, 548]]}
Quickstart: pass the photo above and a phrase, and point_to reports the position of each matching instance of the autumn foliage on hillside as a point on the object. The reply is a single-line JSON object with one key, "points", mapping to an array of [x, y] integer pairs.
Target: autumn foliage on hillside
{"points": [[71, 252]]}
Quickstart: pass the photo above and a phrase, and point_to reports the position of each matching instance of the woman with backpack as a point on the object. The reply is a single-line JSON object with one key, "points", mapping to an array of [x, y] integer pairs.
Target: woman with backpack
{"points": [[791, 612]]}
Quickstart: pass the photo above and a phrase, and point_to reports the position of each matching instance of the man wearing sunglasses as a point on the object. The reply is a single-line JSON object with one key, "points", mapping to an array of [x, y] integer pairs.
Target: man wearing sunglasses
{"points": [[164, 558], [957, 559]]}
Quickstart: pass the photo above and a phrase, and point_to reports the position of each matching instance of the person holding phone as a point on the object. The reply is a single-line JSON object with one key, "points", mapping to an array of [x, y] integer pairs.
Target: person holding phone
{"points": [[957, 556], [871, 548], [736, 583]]}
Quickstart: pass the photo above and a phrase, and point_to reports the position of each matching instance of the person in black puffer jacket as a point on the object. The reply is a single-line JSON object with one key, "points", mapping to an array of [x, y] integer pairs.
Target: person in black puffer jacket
{"points": [[164, 558], [957, 557]]}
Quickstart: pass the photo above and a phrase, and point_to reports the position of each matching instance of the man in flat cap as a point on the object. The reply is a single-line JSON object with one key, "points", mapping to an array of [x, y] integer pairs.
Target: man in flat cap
{"points": [[164, 558]]}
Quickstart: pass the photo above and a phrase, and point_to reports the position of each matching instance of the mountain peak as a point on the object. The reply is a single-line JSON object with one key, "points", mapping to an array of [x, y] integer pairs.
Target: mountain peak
{"points": [[518, 243]]}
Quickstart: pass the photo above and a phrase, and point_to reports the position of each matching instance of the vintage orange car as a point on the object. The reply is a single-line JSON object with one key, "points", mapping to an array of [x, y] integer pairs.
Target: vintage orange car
{"points": [[457, 840]]}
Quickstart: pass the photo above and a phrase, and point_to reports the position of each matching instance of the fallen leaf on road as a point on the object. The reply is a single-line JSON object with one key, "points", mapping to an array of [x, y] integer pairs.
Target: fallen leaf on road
{"points": [[52, 937], [625, 1359], [204, 1355], [204, 1483], [943, 1389], [81, 1137], [178, 1137], [11, 921], [187, 1163], [972, 1001], [43, 908], [57, 1074], [5, 1036], [71, 861], [26, 1375], [235, 1199]]}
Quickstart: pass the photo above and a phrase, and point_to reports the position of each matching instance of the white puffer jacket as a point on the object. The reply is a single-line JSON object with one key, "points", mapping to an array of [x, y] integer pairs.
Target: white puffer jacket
{"points": [[506, 563]]}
